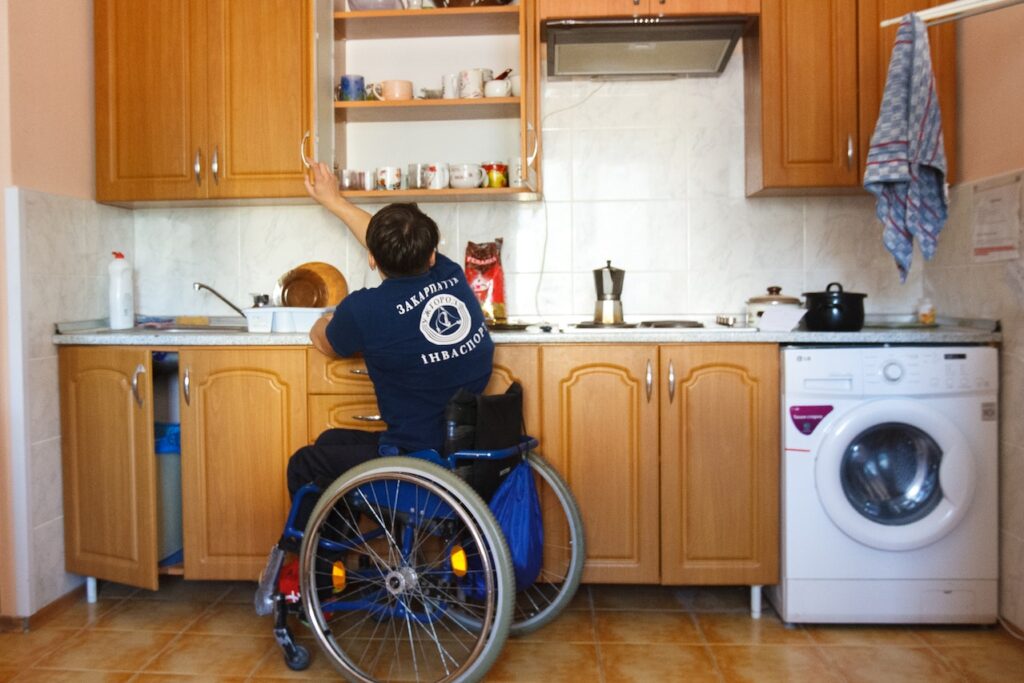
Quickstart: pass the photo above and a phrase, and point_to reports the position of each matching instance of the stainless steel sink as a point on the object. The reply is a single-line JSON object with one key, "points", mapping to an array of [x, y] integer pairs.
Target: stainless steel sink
{"points": [[197, 329]]}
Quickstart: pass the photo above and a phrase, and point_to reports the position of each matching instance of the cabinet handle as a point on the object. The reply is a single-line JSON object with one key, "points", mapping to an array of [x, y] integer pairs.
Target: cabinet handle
{"points": [[215, 166], [187, 384], [359, 371], [367, 418], [849, 151], [197, 167], [649, 380], [671, 382], [302, 150], [139, 369]]}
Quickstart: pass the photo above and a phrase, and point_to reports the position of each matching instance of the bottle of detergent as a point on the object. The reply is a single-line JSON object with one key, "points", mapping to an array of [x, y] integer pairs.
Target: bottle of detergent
{"points": [[122, 294]]}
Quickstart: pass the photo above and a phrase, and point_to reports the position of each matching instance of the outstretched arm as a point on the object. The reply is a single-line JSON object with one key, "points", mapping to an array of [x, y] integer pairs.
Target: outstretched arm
{"points": [[322, 185]]}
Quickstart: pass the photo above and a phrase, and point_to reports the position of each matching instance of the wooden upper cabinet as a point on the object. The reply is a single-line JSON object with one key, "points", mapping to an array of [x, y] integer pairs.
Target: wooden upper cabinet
{"points": [[569, 9], [802, 120], [875, 47], [109, 469], [815, 74], [202, 98], [720, 464]]}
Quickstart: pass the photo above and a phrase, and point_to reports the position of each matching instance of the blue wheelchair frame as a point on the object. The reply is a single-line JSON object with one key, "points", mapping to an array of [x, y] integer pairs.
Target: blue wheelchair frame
{"points": [[416, 510]]}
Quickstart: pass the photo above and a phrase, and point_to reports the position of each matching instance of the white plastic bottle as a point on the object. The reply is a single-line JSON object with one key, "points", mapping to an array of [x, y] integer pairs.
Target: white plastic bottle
{"points": [[122, 294]]}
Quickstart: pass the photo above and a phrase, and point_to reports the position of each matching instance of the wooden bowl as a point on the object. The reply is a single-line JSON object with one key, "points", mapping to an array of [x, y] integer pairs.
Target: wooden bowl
{"points": [[311, 285]]}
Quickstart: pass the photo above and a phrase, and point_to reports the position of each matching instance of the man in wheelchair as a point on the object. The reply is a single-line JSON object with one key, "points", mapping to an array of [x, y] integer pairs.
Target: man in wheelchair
{"points": [[421, 333]]}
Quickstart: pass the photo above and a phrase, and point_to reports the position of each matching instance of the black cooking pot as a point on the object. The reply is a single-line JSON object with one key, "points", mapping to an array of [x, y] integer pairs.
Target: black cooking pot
{"points": [[834, 310]]}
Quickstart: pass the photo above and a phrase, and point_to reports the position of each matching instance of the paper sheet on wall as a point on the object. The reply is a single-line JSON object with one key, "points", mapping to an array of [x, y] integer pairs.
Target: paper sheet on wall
{"points": [[997, 222]]}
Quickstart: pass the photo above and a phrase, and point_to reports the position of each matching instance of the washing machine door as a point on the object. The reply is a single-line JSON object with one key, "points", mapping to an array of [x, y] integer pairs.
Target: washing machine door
{"points": [[895, 475]]}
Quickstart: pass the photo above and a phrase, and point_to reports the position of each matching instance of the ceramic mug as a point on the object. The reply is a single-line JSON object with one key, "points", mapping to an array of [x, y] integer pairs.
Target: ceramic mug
{"points": [[436, 176], [471, 83], [389, 178], [495, 173], [515, 173], [416, 176], [352, 88], [502, 88], [392, 90], [450, 86], [517, 85], [465, 176]]}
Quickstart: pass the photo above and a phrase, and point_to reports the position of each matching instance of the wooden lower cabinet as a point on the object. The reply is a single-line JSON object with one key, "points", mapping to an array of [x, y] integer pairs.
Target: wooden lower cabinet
{"points": [[243, 413], [109, 468], [672, 453]]}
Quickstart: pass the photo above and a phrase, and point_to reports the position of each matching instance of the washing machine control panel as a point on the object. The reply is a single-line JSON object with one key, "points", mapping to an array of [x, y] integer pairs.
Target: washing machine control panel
{"points": [[892, 371]]}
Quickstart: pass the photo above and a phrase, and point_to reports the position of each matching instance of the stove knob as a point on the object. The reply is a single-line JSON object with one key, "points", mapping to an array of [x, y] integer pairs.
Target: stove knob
{"points": [[893, 372]]}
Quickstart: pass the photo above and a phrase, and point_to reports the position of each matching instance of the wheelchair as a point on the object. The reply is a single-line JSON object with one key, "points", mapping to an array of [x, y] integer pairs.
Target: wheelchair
{"points": [[404, 573]]}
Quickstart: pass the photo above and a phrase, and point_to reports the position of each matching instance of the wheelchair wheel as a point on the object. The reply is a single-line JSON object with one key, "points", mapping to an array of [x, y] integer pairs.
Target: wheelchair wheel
{"points": [[405, 575], [564, 552]]}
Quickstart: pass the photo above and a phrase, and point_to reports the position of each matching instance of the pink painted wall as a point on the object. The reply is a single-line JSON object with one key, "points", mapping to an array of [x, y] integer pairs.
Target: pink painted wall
{"points": [[6, 541], [51, 96], [991, 91]]}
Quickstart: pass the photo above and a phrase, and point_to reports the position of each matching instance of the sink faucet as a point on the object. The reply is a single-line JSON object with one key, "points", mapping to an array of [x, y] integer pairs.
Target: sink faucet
{"points": [[199, 285]]}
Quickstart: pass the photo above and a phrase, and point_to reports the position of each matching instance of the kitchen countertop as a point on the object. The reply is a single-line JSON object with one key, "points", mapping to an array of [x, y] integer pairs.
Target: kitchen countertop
{"points": [[949, 331]]}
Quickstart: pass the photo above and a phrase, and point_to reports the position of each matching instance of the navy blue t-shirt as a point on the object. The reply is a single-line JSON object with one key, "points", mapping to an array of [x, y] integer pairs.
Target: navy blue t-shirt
{"points": [[423, 337]]}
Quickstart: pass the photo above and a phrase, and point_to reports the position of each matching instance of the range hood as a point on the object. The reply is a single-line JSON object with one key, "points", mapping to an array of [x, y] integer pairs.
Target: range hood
{"points": [[643, 46]]}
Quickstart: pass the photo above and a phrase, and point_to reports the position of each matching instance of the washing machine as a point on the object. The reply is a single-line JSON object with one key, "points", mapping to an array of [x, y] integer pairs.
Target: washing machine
{"points": [[889, 485]]}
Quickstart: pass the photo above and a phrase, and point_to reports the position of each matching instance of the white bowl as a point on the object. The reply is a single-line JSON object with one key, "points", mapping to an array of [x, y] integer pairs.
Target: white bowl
{"points": [[293, 319]]}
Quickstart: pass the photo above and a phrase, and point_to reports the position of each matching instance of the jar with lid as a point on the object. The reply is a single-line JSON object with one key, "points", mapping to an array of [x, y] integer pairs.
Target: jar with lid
{"points": [[757, 305], [925, 311]]}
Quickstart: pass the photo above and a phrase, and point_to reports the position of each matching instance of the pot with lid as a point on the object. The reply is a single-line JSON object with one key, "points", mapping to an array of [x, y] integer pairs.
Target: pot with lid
{"points": [[757, 305], [834, 310]]}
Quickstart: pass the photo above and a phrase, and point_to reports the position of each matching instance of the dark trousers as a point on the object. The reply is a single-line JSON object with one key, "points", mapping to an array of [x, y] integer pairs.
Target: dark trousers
{"points": [[334, 452]]}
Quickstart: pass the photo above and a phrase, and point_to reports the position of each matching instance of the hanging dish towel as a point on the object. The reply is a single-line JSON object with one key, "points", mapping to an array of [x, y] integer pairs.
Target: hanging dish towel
{"points": [[906, 166]]}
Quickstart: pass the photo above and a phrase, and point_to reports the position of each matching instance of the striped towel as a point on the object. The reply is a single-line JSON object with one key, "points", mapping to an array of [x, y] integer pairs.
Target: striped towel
{"points": [[906, 166]]}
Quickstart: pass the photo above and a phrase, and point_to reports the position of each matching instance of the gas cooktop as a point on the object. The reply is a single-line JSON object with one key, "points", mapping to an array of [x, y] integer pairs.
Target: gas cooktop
{"points": [[593, 325]]}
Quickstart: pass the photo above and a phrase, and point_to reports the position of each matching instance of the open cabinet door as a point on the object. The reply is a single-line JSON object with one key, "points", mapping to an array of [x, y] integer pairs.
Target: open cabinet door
{"points": [[109, 466]]}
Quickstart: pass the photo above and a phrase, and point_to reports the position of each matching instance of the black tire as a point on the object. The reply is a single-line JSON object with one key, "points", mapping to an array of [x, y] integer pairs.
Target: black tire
{"points": [[298, 660], [392, 604], [564, 553]]}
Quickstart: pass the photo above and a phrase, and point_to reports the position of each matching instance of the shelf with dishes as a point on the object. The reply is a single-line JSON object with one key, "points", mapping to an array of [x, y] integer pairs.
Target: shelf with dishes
{"points": [[428, 109]]}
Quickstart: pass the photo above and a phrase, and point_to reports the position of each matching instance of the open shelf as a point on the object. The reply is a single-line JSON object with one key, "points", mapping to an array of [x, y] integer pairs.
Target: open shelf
{"points": [[429, 110], [415, 23], [479, 194]]}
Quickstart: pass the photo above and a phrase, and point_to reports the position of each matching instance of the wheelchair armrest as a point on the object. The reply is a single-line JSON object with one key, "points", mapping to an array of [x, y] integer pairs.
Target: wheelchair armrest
{"points": [[289, 526], [525, 444]]}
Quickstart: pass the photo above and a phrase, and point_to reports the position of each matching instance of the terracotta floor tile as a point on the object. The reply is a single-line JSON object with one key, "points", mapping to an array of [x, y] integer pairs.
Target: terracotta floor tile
{"points": [[769, 663], [852, 634], [963, 635], [108, 590], [8, 674], [740, 629], [655, 662], [107, 650], [232, 619], [151, 615], [81, 614], [647, 627], [200, 654], [1001, 662], [903, 664], [21, 650], [183, 678], [50, 676], [571, 626], [239, 591], [581, 600], [635, 597], [176, 588], [547, 662], [272, 667]]}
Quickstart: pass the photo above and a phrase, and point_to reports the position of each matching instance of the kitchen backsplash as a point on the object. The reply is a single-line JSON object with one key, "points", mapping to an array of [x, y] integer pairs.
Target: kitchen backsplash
{"points": [[648, 174]]}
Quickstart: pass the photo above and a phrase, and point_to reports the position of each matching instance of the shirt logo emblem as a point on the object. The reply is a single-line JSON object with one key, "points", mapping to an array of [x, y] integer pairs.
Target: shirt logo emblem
{"points": [[445, 320]]}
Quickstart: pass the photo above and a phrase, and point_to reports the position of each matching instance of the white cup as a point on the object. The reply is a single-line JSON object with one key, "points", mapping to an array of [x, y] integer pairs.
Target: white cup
{"points": [[389, 178], [436, 176], [471, 83], [501, 88], [450, 86], [465, 176], [517, 85], [515, 173]]}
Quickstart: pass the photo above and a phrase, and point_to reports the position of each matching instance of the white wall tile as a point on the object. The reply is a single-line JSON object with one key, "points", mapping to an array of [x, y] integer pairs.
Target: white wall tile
{"points": [[49, 580], [43, 399], [738, 235], [45, 477]]}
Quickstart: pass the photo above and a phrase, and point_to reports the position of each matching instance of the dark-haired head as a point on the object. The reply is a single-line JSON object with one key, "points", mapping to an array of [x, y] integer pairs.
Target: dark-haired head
{"points": [[402, 240]]}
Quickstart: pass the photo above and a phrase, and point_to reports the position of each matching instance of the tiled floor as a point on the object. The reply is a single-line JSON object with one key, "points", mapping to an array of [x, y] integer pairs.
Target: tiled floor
{"points": [[206, 631]]}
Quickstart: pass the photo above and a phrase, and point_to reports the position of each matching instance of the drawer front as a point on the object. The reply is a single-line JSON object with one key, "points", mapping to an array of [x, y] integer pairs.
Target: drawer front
{"points": [[338, 376], [348, 412]]}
